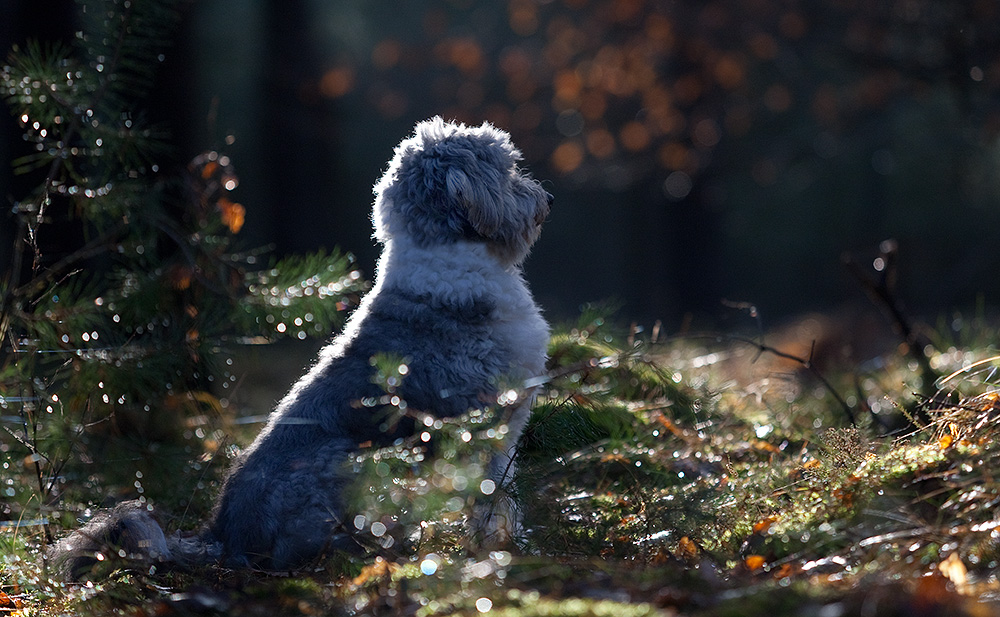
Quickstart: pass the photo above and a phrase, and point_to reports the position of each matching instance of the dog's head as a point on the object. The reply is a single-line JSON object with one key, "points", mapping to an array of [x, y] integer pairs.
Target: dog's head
{"points": [[449, 182]]}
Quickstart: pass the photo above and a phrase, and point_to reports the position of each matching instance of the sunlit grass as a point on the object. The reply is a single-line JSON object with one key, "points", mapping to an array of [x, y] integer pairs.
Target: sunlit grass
{"points": [[652, 478]]}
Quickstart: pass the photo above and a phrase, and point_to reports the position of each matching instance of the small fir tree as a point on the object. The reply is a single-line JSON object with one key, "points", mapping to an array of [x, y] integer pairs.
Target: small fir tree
{"points": [[126, 295]]}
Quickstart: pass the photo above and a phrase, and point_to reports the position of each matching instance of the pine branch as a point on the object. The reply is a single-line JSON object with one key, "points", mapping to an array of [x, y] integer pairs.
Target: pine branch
{"points": [[136, 322]]}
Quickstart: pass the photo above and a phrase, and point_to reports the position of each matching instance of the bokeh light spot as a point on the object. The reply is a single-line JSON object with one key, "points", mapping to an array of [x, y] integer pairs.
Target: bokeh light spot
{"points": [[678, 185], [634, 136], [567, 157], [600, 143], [337, 82]]}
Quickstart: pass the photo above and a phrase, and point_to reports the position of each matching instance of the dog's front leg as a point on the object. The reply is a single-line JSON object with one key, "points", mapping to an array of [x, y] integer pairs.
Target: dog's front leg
{"points": [[497, 517]]}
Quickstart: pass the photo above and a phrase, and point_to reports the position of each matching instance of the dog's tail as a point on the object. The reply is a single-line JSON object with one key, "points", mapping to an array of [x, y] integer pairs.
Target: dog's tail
{"points": [[127, 535]]}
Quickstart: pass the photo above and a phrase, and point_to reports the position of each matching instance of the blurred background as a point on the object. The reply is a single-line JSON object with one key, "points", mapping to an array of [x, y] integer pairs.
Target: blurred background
{"points": [[698, 150]]}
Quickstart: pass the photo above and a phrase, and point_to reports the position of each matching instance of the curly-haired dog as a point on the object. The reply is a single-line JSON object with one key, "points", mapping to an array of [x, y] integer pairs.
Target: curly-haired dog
{"points": [[456, 216]]}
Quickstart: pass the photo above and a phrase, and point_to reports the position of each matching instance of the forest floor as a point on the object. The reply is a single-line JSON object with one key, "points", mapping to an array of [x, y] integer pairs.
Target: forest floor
{"points": [[695, 476]]}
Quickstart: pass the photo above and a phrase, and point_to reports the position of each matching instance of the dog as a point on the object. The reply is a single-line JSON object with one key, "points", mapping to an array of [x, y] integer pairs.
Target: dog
{"points": [[456, 217]]}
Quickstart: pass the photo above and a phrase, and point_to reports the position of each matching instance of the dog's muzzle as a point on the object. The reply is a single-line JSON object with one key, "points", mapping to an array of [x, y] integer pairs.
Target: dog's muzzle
{"points": [[543, 212]]}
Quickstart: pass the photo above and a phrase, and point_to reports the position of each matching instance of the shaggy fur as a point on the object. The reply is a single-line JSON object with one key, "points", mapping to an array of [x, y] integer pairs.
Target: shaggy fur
{"points": [[456, 217]]}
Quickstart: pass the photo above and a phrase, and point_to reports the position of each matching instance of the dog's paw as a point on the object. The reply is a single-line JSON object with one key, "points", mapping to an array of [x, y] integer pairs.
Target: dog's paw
{"points": [[496, 523]]}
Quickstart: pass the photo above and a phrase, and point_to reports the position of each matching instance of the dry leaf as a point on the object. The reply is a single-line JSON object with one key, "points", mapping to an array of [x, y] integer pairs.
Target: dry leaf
{"points": [[754, 562], [378, 569], [687, 549], [9, 604], [954, 570], [765, 524]]}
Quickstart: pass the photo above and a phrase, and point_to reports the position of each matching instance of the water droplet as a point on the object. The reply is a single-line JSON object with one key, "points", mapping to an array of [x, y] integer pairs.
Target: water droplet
{"points": [[430, 564]]}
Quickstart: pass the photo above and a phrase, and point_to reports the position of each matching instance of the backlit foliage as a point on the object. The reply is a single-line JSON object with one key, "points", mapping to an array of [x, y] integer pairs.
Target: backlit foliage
{"points": [[127, 293]]}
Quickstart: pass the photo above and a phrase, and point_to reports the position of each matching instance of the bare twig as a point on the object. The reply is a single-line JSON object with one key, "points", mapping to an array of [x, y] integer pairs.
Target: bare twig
{"points": [[91, 249], [762, 348], [806, 363], [882, 292]]}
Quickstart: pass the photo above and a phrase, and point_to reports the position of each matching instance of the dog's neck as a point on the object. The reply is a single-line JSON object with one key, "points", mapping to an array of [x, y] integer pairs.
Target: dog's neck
{"points": [[466, 273], [456, 273]]}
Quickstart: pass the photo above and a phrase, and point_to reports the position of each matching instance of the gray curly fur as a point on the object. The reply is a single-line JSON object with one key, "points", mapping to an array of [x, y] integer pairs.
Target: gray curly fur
{"points": [[456, 216]]}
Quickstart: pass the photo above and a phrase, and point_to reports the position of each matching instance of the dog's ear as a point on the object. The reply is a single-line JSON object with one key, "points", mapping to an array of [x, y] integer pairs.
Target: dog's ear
{"points": [[480, 195]]}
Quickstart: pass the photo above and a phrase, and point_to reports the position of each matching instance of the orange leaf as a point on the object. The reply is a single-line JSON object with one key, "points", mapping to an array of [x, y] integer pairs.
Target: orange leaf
{"points": [[180, 277], [659, 557], [846, 496], [754, 562], [379, 569], [613, 457], [765, 446], [670, 426], [764, 525], [233, 214], [209, 169], [9, 603], [687, 549], [954, 570], [945, 442]]}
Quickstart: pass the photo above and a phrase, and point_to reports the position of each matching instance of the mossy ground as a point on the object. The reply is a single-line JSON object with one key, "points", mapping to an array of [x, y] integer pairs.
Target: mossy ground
{"points": [[688, 477]]}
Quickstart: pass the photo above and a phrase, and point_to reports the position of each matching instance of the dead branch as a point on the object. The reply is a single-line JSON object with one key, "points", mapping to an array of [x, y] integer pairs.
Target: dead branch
{"points": [[806, 363], [882, 292]]}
